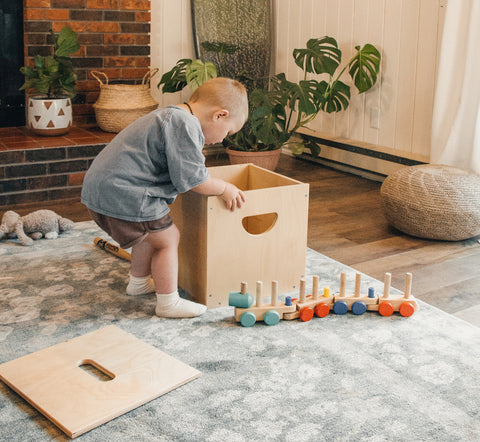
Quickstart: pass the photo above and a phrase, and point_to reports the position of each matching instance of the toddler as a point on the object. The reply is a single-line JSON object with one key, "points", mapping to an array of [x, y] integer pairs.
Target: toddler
{"points": [[131, 182]]}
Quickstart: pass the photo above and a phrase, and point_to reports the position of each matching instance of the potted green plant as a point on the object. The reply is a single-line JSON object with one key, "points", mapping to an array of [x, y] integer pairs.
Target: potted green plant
{"points": [[280, 109], [52, 77]]}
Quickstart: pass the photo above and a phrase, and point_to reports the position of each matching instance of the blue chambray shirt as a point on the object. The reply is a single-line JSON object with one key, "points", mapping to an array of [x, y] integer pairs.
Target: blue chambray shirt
{"points": [[141, 171]]}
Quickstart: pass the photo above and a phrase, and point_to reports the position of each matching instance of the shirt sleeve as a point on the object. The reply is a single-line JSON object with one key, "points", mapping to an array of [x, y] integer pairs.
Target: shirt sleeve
{"points": [[184, 142]]}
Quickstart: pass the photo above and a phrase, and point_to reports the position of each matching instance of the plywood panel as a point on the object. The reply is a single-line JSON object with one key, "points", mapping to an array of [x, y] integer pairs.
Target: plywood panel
{"points": [[75, 400]]}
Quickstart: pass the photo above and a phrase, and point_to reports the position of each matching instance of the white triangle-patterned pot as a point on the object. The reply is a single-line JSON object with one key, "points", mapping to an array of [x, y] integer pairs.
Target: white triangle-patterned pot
{"points": [[49, 116]]}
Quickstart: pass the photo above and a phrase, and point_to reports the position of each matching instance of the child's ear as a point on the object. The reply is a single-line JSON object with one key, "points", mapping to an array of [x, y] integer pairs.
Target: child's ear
{"points": [[221, 113]]}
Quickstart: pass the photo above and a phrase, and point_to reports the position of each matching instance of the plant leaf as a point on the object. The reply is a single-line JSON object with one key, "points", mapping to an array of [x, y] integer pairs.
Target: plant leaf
{"points": [[296, 148], [198, 72], [307, 93], [268, 123], [314, 147], [335, 97], [175, 79], [66, 42], [364, 67], [321, 56]]}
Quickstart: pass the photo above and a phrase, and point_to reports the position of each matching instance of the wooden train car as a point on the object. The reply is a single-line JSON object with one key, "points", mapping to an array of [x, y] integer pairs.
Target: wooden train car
{"points": [[248, 311]]}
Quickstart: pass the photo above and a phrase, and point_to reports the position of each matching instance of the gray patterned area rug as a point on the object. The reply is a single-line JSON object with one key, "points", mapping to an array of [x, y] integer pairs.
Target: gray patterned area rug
{"points": [[339, 378]]}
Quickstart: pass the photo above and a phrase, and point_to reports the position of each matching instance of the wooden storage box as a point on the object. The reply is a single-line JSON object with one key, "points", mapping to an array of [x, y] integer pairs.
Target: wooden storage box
{"points": [[264, 240]]}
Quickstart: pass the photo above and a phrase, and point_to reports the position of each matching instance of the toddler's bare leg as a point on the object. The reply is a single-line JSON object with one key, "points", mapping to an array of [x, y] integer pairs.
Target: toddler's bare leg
{"points": [[141, 282], [163, 254], [162, 247]]}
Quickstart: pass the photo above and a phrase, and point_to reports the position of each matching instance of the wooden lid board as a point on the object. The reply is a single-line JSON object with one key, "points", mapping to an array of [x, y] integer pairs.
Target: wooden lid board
{"points": [[75, 400]]}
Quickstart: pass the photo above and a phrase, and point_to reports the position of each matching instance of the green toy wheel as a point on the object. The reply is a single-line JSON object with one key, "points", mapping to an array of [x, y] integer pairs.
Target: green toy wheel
{"points": [[272, 317], [248, 319]]}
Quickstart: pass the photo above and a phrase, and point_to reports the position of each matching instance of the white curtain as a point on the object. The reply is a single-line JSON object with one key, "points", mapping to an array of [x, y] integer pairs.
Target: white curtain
{"points": [[456, 112]]}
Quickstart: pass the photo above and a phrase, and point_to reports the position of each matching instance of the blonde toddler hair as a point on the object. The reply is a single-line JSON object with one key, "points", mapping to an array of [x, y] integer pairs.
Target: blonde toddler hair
{"points": [[224, 93]]}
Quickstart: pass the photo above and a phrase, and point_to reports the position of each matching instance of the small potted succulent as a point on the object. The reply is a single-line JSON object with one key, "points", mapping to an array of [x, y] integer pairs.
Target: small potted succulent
{"points": [[50, 84]]}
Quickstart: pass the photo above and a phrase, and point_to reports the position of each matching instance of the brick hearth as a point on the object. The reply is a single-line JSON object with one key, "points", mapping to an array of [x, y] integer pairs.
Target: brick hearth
{"points": [[34, 168]]}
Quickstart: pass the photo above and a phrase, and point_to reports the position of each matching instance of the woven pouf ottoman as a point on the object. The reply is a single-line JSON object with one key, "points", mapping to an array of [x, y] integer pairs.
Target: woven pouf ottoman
{"points": [[433, 201]]}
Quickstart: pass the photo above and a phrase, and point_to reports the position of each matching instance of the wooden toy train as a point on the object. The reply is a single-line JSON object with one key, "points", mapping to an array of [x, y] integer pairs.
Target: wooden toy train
{"points": [[306, 306]]}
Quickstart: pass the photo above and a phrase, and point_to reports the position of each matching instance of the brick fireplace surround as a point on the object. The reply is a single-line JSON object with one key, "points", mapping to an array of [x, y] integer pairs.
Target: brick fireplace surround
{"points": [[114, 37]]}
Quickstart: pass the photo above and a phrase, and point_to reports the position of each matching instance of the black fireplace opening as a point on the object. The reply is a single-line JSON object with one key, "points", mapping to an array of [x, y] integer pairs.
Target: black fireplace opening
{"points": [[12, 101]]}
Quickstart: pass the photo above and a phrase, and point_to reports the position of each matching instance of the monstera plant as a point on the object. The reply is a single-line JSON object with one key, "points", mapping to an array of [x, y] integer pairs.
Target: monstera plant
{"points": [[285, 106], [278, 110]]}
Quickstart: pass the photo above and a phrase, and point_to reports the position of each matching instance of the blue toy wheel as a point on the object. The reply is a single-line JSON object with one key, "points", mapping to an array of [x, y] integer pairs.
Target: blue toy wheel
{"points": [[359, 308], [248, 319], [340, 307], [272, 317]]}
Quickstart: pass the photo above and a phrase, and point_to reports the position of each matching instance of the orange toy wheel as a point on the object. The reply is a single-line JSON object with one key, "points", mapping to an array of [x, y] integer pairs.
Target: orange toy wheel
{"points": [[406, 309], [322, 310], [385, 309], [306, 314]]}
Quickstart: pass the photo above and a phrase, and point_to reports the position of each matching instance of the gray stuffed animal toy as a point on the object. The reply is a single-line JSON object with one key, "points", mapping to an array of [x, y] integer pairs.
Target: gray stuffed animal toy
{"points": [[35, 225]]}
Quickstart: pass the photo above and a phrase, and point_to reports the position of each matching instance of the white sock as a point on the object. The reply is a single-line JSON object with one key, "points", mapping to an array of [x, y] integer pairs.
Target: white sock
{"points": [[140, 285], [172, 306]]}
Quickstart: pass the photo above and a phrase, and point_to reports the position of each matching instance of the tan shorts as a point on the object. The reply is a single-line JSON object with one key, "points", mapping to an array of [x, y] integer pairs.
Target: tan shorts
{"points": [[129, 233]]}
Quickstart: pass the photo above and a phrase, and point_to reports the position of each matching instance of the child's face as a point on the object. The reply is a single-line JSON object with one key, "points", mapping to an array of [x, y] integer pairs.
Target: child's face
{"points": [[215, 129]]}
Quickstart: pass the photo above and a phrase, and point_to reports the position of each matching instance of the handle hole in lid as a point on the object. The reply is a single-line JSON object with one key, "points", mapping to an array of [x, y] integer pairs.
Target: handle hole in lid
{"points": [[96, 370]]}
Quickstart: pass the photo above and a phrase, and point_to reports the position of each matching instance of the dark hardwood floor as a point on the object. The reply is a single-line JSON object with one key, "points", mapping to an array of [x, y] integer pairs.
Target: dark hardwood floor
{"points": [[346, 223]]}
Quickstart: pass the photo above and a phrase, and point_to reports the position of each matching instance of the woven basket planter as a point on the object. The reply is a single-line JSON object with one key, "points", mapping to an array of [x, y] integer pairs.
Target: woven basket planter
{"points": [[433, 202], [118, 105]]}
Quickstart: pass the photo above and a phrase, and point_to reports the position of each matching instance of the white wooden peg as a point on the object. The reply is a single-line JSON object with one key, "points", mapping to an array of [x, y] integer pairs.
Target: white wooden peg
{"points": [[386, 285], [315, 287], [358, 281], [274, 292], [408, 285], [302, 291], [343, 283], [243, 287], [259, 293]]}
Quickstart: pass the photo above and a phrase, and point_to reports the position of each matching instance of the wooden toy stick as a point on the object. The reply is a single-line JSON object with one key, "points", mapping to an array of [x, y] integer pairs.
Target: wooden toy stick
{"points": [[386, 285], [358, 281], [274, 292], [315, 287], [408, 285], [302, 291], [259, 293], [112, 248], [243, 287], [343, 283]]}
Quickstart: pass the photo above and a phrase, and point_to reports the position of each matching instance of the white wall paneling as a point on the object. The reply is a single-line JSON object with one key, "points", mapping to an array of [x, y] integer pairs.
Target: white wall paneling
{"points": [[407, 32]]}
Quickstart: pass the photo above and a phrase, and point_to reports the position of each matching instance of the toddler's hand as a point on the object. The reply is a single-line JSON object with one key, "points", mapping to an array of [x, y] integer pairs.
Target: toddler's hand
{"points": [[233, 197]]}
